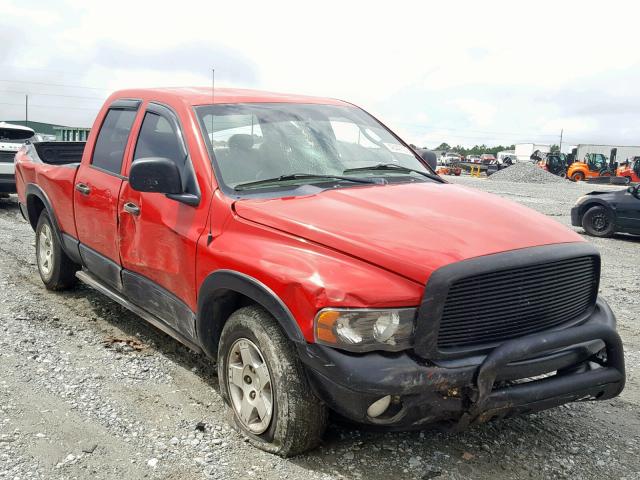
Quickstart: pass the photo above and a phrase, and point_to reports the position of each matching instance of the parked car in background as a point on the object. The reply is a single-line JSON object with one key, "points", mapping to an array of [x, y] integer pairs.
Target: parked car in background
{"points": [[450, 158], [321, 264], [602, 214], [473, 159], [487, 158], [507, 157], [11, 138]]}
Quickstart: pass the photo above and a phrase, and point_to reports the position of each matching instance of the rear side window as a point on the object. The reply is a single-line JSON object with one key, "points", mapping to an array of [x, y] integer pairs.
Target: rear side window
{"points": [[112, 140]]}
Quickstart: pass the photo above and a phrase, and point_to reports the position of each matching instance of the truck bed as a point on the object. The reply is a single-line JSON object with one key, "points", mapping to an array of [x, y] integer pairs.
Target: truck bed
{"points": [[51, 166], [56, 153]]}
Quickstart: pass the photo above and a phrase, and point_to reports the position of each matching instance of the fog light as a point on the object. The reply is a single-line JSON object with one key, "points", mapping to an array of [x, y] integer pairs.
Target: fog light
{"points": [[378, 407]]}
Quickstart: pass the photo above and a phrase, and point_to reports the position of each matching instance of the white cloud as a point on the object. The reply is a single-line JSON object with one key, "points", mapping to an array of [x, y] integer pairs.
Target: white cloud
{"points": [[470, 72]]}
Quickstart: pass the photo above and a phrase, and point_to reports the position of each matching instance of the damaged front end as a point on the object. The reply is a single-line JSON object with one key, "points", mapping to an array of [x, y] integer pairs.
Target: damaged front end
{"points": [[494, 336]]}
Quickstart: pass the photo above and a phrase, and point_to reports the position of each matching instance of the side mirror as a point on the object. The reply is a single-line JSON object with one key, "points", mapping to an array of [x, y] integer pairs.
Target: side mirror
{"points": [[155, 174]]}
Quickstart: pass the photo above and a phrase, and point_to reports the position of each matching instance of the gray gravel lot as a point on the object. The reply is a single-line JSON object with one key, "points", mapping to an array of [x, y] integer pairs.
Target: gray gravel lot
{"points": [[88, 390]]}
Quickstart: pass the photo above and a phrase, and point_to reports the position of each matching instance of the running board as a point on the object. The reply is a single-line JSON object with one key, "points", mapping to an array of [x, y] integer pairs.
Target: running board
{"points": [[93, 282]]}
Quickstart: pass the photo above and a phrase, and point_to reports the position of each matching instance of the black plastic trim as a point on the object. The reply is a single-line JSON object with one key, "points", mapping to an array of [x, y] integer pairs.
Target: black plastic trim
{"points": [[126, 104], [160, 302], [71, 246], [220, 282], [94, 282], [102, 267], [435, 294]]}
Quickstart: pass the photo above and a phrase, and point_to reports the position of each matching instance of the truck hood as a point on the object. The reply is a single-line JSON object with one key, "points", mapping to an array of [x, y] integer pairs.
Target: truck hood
{"points": [[409, 229]]}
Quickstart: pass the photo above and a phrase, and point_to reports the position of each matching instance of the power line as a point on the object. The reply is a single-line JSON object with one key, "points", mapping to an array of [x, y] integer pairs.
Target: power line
{"points": [[56, 85], [50, 106], [53, 95]]}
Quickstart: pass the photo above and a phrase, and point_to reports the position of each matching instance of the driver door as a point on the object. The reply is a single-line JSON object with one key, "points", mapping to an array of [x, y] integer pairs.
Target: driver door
{"points": [[158, 234]]}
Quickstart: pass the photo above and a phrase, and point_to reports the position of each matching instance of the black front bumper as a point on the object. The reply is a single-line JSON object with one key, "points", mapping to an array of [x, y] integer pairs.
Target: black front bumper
{"points": [[476, 389]]}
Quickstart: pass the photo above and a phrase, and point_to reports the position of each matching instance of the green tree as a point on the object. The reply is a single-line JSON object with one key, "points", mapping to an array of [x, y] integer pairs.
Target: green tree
{"points": [[555, 148]]}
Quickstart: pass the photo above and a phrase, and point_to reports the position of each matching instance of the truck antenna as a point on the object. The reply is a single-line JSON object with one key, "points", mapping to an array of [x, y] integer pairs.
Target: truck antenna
{"points": [[213, 88]]}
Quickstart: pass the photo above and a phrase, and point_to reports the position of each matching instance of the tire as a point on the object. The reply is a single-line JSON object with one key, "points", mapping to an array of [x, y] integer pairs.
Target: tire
{"points": [[57, 270], [599, 222], [577, 177], [298, 418], [627, 180]]}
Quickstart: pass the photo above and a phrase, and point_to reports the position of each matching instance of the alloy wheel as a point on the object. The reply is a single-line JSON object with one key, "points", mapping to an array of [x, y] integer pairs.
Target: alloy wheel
{"points": [[250, 386]]}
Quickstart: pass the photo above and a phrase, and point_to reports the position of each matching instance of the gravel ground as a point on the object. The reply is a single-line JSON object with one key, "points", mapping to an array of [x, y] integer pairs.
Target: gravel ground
{"points": [[88, 390], [526, 172]]}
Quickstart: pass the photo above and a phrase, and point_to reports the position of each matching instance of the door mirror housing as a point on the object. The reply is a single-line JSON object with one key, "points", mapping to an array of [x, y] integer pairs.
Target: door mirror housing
{"points": [[155, 174]]}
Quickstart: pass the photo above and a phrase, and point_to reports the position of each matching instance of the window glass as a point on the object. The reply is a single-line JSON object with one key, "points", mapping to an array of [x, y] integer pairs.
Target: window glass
{"points": [[253, 142], [158, 138], [112, 140]]}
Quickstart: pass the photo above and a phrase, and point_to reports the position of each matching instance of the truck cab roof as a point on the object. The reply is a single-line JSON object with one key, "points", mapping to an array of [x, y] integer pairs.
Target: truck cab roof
{"points": [[205, 96]]}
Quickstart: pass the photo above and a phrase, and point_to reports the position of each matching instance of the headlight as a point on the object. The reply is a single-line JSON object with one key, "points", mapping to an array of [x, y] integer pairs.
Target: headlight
{"points": [[363, 330]]}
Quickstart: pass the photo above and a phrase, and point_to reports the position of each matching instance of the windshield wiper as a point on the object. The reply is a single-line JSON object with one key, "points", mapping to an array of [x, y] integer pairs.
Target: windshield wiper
{"points": [[393, 166], [296, 176]]}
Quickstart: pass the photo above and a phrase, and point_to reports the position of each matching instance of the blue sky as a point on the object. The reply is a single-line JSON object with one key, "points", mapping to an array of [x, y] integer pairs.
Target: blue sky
{"points": [[461, 72]]}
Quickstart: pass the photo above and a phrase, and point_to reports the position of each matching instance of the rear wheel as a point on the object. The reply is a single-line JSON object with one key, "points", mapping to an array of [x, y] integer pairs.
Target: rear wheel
{"points": [[599, 222], [264, 384], [577, 177], [57, 270]]}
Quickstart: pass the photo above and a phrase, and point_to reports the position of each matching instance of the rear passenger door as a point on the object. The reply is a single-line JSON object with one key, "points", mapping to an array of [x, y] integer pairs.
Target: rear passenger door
{"points": [[159, 234], [96, 193]]}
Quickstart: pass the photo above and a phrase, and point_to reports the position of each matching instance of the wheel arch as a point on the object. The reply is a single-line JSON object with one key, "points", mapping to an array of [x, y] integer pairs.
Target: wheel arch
{"points": [[594, 203], [37, 201], [223, 292]]}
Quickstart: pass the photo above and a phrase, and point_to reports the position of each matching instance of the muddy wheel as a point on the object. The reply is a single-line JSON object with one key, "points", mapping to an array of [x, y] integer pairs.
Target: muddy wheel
{"points": [[57, 270], [577, 177], [264, 384], [599, 222]]}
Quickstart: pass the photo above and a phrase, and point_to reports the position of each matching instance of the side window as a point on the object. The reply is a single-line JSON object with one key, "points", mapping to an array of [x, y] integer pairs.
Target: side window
{"points": [[158, 137], [112, 140]]}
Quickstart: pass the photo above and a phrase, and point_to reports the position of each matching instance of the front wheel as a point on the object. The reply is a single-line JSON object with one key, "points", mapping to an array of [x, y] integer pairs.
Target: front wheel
{"points": [[264, 383], [577, 177], [57, 270], [599, 222]]}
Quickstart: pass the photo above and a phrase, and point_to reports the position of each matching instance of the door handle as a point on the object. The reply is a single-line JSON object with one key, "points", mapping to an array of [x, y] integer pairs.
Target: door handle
{"points": [[83, 188], [132, 208]]}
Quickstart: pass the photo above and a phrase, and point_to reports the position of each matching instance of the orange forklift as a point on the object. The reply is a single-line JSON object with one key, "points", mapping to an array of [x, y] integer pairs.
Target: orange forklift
{"points": [[594, 165], [630, 170]]}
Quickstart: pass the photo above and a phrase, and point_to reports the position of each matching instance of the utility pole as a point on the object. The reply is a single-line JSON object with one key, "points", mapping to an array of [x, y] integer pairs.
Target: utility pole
{"points": [[26, 110], [561, 132]]}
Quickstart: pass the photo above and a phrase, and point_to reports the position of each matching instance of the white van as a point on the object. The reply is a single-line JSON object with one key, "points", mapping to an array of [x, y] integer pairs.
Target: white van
{"points": [[12, 137]]}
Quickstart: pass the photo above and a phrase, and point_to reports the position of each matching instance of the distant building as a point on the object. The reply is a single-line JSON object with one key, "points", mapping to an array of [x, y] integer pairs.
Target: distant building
{"points": [[72, 134]]}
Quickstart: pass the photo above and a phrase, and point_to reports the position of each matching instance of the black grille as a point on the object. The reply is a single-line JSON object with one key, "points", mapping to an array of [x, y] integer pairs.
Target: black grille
{"points": [[492, 307], [7, 157]]}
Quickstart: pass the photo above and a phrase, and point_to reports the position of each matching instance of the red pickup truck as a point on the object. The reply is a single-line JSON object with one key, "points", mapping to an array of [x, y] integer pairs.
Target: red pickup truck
{"points": [[321, 263]]}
